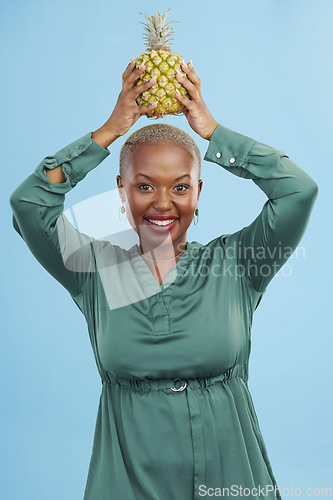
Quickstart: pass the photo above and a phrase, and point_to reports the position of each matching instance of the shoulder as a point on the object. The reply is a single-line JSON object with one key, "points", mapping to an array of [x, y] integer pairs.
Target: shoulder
{"points": [[220, 251], [225, 244]]}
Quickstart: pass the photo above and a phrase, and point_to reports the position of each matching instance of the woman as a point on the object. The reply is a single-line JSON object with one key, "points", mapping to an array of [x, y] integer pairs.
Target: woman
{"points": [[169, 320]]}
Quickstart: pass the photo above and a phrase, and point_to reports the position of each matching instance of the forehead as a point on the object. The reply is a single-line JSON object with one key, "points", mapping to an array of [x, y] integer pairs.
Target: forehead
{"points": [[159, 155]]}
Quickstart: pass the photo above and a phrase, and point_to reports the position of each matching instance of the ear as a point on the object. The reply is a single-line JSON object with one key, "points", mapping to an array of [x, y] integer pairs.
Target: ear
{"points": [[121, 189], [119, 181], [200, 184]]}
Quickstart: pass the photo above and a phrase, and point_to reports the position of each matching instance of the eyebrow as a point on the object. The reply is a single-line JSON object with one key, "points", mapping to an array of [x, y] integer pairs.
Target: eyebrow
{"points": [[147, 176]]}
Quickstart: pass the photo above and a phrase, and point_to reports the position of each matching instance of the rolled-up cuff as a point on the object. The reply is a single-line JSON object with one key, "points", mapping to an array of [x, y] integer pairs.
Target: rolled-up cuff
{"points": [[77, 159]]}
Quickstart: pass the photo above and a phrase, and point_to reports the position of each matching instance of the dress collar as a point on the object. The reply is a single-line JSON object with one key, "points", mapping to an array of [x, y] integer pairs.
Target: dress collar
{"points": [[146, 277]]}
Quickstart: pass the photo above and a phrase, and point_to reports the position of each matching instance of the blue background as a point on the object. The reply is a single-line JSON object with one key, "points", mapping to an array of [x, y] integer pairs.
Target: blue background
{"points": [[266, 72]]}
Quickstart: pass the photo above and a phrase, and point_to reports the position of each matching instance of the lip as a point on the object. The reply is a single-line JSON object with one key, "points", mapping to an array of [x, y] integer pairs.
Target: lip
{"points": [[161, 229]]}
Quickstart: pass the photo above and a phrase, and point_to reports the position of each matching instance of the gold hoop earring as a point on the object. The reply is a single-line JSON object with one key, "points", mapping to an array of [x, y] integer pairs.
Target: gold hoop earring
{"points": [[196, 213], [122, 209]]}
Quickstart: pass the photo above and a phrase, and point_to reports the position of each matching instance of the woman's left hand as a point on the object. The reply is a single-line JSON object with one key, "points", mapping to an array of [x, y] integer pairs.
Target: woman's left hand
{"points": [[196, 111]]}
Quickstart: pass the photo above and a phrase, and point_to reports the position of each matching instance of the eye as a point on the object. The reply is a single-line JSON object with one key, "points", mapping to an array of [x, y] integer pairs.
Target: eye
{"points": [[142, 185], [182, 186]]}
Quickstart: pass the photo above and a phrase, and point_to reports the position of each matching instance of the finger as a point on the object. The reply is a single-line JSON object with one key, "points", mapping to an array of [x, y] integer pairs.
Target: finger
{"points": [[190, 87], [129, 69], [133, 76], [184, 100], [145, 109], [186, 112], [138, 89], [191, 75]]}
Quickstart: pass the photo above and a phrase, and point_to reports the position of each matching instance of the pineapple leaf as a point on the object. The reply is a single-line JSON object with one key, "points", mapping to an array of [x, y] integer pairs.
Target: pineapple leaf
{"points": [[157, 33]]}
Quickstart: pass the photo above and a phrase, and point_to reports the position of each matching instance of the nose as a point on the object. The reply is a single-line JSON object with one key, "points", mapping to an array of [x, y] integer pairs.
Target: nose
{"points": [[163, 200]]}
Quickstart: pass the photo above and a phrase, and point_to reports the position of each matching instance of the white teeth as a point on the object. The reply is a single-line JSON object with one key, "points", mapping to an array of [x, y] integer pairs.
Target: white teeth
{"points": [[160, 222]]}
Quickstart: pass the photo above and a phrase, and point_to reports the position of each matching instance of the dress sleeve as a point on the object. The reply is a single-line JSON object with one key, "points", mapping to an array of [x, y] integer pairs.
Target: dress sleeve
{"points": [[38, 205], [266, 244]]}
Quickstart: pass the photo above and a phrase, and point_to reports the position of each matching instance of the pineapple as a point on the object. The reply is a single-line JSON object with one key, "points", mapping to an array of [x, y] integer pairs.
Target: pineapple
{"points": [[159, 61]]}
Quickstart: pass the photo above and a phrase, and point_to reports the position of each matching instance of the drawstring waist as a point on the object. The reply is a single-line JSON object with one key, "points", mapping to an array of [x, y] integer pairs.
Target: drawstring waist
{"points": [[176, 384]]}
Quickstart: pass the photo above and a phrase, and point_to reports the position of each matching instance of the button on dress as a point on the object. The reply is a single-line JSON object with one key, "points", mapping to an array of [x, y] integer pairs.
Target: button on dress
{"points": [[175, 420]]}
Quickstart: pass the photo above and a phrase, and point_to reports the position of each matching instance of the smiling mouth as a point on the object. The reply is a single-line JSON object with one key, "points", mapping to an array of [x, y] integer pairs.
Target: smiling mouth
{"points": [[160, 226], [161, 222]]}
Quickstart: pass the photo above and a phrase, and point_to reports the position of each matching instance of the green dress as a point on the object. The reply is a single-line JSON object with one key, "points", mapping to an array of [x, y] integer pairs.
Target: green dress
{"points": [[175, 420]]}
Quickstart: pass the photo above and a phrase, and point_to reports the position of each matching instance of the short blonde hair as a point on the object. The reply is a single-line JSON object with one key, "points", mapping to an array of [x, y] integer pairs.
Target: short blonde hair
{"points": [[158, 132]]}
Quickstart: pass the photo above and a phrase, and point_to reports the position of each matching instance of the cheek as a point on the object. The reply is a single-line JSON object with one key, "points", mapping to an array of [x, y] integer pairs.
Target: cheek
{"points": [[190, 202], [137, 205], [186, 210]]}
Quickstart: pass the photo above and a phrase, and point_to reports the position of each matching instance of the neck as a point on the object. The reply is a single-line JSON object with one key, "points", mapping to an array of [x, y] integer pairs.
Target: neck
{"points": [[163, 252]]}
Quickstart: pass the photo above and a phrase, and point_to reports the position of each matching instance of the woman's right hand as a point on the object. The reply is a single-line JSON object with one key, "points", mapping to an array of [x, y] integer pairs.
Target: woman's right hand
{"points": [[127, 111]]}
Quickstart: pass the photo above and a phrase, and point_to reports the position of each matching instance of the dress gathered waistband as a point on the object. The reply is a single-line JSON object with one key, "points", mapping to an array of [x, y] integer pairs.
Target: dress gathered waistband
{"points": [[176, 384]]}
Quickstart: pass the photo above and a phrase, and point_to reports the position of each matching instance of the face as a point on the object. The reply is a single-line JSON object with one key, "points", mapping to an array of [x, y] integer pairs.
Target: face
{"points": [[161, 180]]}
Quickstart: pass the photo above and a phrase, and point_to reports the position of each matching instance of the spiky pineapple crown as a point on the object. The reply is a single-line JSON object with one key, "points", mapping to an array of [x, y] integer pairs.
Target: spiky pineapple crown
{"points": [[158, 33]]}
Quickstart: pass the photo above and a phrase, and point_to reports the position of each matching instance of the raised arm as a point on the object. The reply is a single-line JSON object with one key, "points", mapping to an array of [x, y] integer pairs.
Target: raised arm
{"points": [[38, 202], [267, 243]]}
